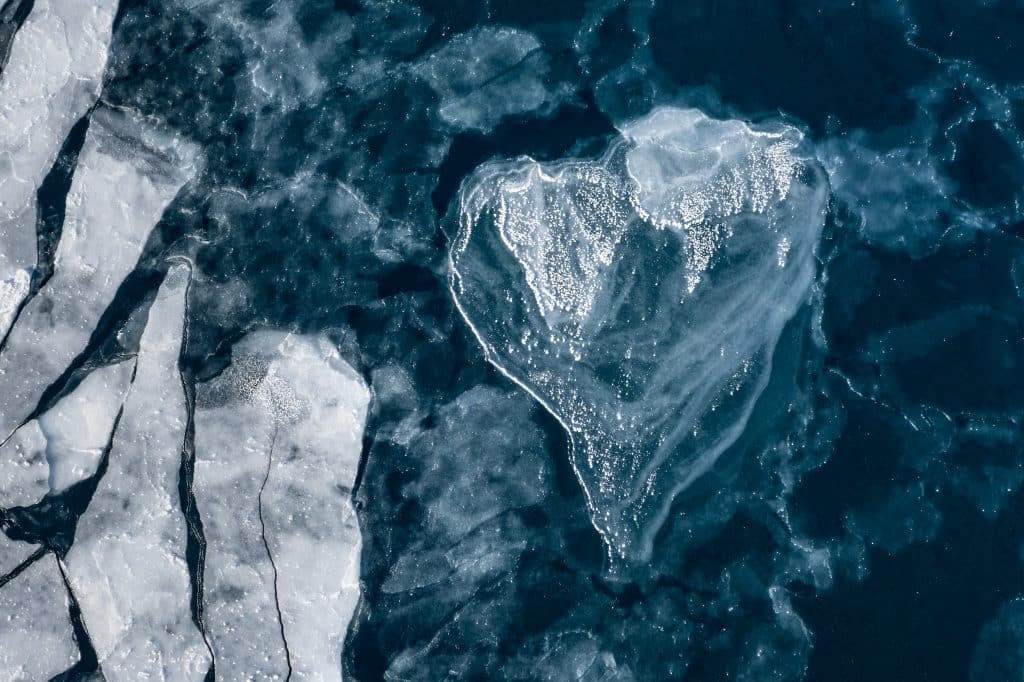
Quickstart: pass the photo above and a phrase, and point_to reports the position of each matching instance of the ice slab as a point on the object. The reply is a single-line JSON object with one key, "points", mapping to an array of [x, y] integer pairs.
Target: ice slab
{"points": [[102, 239], [36, 637], [52, 77], [277, 439], [66, 443], [127, 565], [640, 296]]}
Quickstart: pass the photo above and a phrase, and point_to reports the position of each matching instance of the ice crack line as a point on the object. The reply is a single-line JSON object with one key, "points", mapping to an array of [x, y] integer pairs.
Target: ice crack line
{"points": [[270, 557]]}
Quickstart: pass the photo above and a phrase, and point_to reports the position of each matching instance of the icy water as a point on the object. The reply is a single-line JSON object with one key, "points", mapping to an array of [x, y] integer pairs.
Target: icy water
{"points": [[572, 340]]}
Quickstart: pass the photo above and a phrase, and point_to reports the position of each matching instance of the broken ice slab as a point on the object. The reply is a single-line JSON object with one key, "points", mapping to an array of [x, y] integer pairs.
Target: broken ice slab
{"points": [[103, 236], [277, 438], [66, 443], [36, 636], [52, 77], [127, 566]]}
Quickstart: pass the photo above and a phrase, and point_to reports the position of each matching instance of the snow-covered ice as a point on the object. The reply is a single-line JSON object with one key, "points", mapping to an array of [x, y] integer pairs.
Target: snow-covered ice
{"points": [[127, 566], [278, 439]]}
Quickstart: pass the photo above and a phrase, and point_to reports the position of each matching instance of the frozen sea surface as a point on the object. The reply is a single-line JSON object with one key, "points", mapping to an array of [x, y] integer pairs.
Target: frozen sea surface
{"points": [[580, 340]]}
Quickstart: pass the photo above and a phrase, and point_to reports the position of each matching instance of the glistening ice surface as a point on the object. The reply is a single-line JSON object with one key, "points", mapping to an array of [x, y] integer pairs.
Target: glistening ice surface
{"points": [[570, 340]]}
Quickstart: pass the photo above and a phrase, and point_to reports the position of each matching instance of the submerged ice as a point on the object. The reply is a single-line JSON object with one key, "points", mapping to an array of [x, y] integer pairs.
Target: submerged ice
{"points": [[640, 296]]}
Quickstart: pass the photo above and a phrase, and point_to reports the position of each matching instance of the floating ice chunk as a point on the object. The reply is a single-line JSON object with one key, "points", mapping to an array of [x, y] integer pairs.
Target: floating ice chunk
{"points": [[65, 444], [486, 75], [52, 77], [127, 565], [277, 438], [103, 235], [36, 638], [639, 297]]}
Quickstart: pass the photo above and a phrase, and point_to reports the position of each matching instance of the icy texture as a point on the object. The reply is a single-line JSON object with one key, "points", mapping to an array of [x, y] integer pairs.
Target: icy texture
{"points": [[278, 439], [36, 640], [12, 553], [52, 77], [127, 566], [65, 444], [486, 75], [640, 296], [102, 238]]}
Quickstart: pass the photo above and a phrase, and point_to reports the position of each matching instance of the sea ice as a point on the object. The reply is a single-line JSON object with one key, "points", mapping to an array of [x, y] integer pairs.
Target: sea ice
{"points": [[36, 638], [640, 296], [277, 439], [127, 565], [102, 239], [52, 76]]}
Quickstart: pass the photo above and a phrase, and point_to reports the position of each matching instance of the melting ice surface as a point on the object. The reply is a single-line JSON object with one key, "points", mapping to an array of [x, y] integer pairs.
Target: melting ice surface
{"points": [[640, 296]]}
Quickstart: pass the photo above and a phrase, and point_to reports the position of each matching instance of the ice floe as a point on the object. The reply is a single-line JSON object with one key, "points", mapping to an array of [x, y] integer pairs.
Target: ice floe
{"points": [[278, 437], [52, 76], [486, 75], [127, 566], [66, 443]]}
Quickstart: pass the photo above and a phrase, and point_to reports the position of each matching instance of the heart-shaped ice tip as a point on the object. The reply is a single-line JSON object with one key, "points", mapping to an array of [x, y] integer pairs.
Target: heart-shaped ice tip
{"points": [[640, 296]]}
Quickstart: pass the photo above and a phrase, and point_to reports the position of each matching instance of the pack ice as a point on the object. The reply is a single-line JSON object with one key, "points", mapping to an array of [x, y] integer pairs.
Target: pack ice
{"points": [[102, 238], [127, 565], [277, 442], [640, 296]]}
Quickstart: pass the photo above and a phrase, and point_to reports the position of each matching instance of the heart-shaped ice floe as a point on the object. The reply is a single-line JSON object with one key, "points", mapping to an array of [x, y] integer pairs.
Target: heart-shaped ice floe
{"points": [[640, 296]]}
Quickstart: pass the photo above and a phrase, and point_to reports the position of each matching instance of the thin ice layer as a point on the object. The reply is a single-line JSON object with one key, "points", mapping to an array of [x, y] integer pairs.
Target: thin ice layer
{"points": [[36, 638], [52, 77], [127, 566], [278, 437], [640, 296], [103, 236]]}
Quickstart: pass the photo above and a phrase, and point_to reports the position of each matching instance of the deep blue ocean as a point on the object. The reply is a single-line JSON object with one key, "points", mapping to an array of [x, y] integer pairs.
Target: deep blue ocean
{"points": [[693, 329]]}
